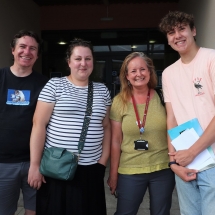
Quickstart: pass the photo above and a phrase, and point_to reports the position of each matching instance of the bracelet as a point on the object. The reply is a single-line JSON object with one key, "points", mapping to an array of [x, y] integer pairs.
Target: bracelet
{"points": [[172, 162]]}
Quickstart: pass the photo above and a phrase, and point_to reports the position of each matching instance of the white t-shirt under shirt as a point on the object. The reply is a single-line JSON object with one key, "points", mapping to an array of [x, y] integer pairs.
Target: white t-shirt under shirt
{"points": [[190, 88], [65, 125]]}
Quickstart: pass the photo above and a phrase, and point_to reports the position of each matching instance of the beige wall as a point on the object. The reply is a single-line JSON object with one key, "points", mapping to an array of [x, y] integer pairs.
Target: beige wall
{"points": [[204, 13], [14, 16]]}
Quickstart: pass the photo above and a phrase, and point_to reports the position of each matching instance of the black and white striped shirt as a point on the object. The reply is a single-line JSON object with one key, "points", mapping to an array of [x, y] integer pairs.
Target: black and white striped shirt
{"points": [[65, 125]]}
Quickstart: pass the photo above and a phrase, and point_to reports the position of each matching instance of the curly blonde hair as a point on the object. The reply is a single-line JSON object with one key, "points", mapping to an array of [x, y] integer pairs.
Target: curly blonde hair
{"points": [[126, 88]]}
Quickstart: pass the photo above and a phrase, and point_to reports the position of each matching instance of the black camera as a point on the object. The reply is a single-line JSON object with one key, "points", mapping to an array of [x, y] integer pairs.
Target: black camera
{"points": [[141, 145]]}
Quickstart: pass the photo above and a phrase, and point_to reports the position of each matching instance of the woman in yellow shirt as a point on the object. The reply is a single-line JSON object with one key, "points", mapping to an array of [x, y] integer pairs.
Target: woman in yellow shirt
{"points": [[139, 154]]}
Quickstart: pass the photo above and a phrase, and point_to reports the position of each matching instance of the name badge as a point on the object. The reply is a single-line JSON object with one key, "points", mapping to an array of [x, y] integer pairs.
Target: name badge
{"points": [[141, 145]]}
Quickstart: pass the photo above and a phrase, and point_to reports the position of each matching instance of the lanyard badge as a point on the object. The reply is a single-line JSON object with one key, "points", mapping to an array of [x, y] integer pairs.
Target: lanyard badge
{"points": [[141, 144]]}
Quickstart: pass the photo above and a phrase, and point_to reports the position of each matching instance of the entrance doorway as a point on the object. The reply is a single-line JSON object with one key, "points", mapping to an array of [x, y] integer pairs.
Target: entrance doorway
{"points": [[106, 70], [110, 47]]}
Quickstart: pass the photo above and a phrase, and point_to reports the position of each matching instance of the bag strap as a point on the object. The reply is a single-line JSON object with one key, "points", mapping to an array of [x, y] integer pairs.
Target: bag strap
{"points": [[160, 94], [87, 117]]}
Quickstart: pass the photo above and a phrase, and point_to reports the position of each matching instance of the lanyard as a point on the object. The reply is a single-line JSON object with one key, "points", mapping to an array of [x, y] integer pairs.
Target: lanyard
{"points": [[141, 125]]}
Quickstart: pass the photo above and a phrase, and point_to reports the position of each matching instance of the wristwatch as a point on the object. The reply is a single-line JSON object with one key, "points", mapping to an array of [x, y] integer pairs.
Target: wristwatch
{"points": [[172, 162]]}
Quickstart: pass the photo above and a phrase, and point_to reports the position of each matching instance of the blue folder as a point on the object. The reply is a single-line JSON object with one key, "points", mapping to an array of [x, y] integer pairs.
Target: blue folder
{"points": [[193, 123]]}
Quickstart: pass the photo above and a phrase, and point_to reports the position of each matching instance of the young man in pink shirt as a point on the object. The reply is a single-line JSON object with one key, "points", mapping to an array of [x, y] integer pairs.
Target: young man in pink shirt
{"points": [[189, 92]]}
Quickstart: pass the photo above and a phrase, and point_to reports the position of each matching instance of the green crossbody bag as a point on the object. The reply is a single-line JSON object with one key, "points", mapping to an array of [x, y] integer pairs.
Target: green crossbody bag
{"points": [[59, 163]]}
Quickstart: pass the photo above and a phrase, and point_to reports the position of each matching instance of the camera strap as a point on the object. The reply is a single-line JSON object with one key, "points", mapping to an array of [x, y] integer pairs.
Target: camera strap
{"points": [[140, 124]]}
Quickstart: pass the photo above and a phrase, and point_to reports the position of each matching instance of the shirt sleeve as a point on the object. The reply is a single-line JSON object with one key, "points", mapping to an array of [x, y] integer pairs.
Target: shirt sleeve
{"points": [[108, 97], [115, 111], [48, 93], [212, 70]]}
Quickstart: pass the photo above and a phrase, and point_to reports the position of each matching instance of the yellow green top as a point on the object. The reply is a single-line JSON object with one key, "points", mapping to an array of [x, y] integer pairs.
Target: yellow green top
{"points": [[156, 157]]}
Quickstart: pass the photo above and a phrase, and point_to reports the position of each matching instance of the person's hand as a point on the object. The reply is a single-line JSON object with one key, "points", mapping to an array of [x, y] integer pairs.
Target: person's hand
{"points": [[35, 178], [112, 182], [182, 157], [184, 173]]}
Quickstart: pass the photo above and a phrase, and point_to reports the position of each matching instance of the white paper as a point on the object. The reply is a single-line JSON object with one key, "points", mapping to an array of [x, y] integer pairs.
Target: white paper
{"points": [[184, 141]]}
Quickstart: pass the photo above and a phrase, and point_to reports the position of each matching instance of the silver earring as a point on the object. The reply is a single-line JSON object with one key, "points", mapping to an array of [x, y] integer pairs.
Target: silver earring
{"points": [[129, 83]]}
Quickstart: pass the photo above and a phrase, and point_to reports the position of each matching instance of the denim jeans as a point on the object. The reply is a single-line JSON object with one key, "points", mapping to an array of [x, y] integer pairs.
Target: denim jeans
{"points": [[131, 190], [197, 197]]}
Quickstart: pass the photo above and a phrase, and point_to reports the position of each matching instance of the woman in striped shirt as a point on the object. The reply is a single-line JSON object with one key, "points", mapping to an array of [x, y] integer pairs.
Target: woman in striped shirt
{"points": [[57, 122]]}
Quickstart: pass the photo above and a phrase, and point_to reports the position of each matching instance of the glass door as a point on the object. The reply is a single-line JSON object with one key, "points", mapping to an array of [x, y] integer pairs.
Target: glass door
{"points": [[116, 63], [106, 70]]}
